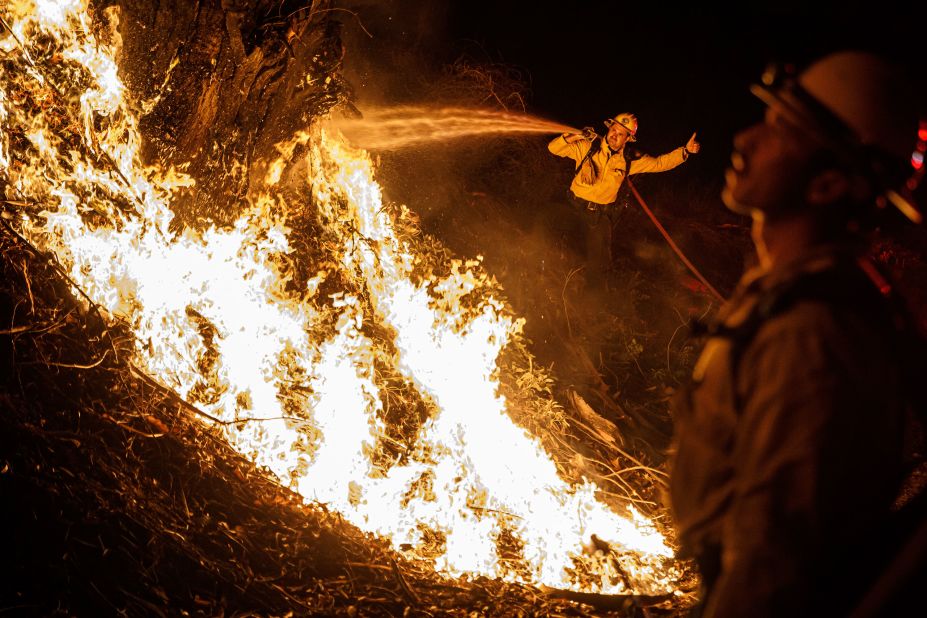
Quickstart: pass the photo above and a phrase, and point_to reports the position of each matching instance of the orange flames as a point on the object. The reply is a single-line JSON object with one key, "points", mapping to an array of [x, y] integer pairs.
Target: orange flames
{"points": [[302, 363]]}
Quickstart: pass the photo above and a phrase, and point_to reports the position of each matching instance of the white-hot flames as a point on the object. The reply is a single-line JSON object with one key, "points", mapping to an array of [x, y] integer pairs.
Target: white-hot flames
{"points": [[215, 318]]}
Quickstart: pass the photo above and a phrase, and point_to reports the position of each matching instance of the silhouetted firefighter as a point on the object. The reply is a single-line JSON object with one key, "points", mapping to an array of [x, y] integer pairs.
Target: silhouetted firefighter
{"points": [[789, 443]]}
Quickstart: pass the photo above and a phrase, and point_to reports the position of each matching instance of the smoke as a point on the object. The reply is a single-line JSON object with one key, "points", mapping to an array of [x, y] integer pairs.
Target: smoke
{"points": [[392, 48]]}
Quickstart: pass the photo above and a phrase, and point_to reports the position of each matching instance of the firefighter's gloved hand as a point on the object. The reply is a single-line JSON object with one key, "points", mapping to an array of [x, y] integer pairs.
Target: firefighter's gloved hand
{"points": [[589, 133]]}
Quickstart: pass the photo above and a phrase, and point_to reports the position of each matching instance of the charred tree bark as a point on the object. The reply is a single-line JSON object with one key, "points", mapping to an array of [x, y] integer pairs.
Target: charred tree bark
{"points": [[219, 82]]}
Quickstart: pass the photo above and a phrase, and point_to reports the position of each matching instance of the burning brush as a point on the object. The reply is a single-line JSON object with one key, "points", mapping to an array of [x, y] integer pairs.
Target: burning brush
{"points": [[303, 373]]}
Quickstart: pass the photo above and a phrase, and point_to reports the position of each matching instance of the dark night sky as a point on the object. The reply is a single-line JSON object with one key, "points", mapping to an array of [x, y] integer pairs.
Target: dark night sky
{"points": [[678, 68]]}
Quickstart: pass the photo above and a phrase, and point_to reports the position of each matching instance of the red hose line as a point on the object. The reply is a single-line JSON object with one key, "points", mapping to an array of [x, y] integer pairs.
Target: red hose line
{"points": [[675, 248]]}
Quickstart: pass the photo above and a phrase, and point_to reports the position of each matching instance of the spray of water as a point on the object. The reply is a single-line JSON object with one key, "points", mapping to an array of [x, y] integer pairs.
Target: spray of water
{"points": [[398, 127]]}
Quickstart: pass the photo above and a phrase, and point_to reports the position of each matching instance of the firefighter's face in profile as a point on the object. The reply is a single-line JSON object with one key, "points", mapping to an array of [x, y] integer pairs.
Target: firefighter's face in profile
{"points": [[617, 136], [771, 167]]}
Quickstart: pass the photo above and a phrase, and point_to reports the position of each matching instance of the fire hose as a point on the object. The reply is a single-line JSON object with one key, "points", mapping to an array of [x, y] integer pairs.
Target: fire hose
{"points": [[672, 244], [590, 134]]}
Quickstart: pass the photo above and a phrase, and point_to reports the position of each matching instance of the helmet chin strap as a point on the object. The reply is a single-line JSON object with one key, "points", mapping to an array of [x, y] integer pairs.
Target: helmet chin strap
{"points": [[904, 205], [772, 212], [736, 207]]}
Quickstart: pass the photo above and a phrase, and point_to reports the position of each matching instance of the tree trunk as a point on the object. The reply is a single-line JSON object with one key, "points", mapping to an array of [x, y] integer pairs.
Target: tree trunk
{"points": [[219, 82]]}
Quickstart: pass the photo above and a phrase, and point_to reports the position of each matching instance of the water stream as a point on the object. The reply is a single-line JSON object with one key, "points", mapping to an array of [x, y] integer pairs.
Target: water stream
{"points": [[400, 127]]}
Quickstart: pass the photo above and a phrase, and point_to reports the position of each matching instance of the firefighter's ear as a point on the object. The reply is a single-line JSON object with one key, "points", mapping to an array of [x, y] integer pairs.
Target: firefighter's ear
{"points": [[827, 187]]}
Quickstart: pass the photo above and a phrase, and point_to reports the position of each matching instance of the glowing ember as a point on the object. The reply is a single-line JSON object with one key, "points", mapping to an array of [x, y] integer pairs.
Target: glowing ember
{"points": [[216, 318]]}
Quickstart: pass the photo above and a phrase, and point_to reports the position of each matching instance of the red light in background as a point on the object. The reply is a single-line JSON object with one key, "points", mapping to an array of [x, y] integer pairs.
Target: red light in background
{"points": [[917, 160], [922, 134]]}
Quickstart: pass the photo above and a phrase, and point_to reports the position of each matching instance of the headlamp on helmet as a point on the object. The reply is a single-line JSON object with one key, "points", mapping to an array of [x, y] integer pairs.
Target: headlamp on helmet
{"points": [[627, 121], [858, 107]]}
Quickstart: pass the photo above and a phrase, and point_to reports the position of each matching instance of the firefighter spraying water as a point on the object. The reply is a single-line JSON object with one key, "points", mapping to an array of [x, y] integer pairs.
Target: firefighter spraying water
{"points": [[602, 165]]}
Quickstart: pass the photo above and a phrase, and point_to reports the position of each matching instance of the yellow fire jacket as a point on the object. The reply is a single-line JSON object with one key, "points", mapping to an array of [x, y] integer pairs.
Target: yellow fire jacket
{"points": [[602, 174]]}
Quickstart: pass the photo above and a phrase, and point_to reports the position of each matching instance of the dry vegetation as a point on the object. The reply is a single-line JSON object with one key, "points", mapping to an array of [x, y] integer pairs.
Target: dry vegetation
{"points": [[127, 501]]}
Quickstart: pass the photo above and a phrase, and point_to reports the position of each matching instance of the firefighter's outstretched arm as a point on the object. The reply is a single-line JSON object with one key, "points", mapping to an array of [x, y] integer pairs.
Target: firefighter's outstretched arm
{"points": [[573, 145]]}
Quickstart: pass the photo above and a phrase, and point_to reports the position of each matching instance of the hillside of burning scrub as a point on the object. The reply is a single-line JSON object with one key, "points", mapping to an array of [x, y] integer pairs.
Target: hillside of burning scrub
{"points": [[120, 500], [129, 499]]}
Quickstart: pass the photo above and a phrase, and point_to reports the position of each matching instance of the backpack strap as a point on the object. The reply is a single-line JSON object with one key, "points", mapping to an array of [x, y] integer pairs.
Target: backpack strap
{"points": [[843, 285], [631, 155], [595, 147]]}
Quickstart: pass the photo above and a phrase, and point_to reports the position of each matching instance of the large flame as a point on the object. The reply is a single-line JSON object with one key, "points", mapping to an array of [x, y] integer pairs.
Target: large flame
{"points": [[215, 317]]}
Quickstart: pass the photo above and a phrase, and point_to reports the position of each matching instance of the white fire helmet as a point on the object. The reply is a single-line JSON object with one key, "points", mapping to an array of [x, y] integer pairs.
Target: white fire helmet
{"points": [[859, 106], [628, 121]]}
